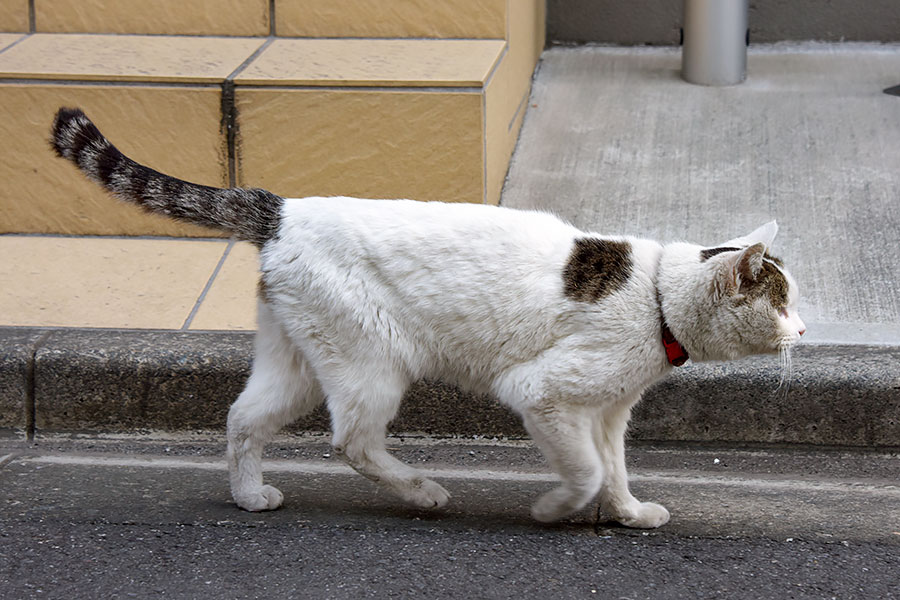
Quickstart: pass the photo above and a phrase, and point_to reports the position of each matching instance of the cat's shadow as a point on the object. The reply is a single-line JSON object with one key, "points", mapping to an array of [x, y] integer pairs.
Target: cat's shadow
{"points": [[379, 510]]}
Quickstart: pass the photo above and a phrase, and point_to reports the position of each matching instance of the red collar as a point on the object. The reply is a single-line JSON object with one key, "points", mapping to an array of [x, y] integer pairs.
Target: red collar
{"points": [[675, 352]]}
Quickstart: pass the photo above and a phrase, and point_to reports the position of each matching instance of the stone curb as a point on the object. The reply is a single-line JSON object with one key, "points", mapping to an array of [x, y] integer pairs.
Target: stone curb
{"points": [[75, 380]]}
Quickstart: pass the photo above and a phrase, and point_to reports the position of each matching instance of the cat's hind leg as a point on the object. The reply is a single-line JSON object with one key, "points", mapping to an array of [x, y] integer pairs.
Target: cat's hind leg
{"points": [[360, 413], [609, 425], [563, 434], [281, 388]]}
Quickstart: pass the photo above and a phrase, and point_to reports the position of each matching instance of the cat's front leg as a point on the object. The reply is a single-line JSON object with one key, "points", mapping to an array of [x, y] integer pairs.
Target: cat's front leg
{"points": [[609, 425]]}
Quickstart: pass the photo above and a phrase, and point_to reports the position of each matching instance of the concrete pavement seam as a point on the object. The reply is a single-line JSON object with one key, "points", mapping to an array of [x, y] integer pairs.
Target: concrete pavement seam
{"points": [[30, 404]]}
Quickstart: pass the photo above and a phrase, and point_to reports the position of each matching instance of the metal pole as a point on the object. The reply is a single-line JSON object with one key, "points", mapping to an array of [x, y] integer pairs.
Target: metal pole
{"points": [[715, 42]]}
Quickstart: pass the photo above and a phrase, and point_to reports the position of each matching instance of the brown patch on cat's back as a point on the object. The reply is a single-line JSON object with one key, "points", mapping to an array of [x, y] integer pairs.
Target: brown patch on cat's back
{"points": [[596, 268]]}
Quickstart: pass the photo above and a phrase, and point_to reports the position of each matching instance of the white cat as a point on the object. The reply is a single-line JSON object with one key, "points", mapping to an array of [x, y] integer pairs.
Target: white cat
{"points": [[360, 298]]}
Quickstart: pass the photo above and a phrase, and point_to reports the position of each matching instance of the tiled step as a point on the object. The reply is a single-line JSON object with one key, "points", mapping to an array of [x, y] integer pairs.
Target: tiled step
{"points": [[423, 119]]}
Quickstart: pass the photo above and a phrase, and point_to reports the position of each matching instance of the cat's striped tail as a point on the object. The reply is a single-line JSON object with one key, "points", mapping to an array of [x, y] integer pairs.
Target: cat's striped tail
{"points": [[250, 214]]}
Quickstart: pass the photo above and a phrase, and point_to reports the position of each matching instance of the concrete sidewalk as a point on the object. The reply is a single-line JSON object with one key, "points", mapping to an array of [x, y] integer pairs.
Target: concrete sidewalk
{"points": [[123, 334], [616, 142], [117, 516]]}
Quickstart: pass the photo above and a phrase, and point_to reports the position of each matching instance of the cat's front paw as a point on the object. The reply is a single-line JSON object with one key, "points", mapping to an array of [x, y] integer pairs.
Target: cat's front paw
{"points": [[647, 515], [263, 498]]}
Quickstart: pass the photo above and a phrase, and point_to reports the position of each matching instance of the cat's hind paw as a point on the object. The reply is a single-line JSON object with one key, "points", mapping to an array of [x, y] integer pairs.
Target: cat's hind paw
{"points": [[263, 498], [648, 515], [423, 493], [556, 504]]}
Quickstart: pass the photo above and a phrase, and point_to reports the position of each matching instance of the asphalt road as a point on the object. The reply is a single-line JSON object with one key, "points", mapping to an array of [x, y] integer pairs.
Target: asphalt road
{"points": [[125, 518]]}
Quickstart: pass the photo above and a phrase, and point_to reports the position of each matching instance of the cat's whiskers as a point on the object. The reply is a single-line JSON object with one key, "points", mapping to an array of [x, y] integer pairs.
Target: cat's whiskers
{"points": [[787, 373]]}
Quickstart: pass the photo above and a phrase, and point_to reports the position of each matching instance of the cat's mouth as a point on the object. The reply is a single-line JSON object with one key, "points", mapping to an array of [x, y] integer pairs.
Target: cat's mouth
{"points": [[787, 340]]}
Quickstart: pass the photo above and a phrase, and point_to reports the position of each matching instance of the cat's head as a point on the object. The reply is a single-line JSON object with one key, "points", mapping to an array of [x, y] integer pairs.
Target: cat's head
{"points": [[745, 300]]}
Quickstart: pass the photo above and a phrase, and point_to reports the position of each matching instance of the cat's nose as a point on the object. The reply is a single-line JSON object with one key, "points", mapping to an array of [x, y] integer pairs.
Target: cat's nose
{"points": [[802, 331]]}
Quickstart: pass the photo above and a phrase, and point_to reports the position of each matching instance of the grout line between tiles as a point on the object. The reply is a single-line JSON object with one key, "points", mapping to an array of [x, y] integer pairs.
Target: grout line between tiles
{"points": [[353, 87], [15, 43], [211, 84], [405, 87], [206, 288], [250, 59], [123, 34], [378, 38], [272, 32], [228, 126], [229, 112], [32, 25], [283, 37]]}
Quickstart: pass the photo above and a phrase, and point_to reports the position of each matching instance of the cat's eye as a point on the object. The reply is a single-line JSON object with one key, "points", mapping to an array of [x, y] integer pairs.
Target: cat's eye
{"points": [[783, 312]]}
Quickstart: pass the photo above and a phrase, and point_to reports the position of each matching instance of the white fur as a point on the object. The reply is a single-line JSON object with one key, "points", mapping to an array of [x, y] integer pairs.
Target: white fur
{"points": [[364, 297]]}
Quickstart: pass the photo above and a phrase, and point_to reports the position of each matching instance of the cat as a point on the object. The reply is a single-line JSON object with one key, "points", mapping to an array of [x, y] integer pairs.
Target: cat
{"points": [[360, 298]]}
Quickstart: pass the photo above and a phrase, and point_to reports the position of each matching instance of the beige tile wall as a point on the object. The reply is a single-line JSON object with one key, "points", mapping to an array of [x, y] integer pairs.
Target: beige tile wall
{"points": [[14, 15], [374, 144], [171, 17], [173, 129], [396, 18]]}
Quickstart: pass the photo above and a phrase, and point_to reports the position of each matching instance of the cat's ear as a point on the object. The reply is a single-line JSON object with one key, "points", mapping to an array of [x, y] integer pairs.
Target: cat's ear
{"points": [[744, 267], [762, 235]]}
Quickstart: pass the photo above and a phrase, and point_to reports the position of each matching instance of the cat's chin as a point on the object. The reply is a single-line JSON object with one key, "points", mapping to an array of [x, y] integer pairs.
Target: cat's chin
{"points": [[738, 353]]}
